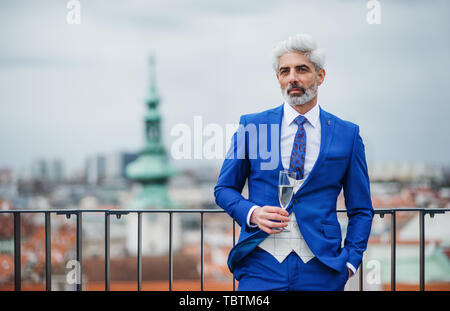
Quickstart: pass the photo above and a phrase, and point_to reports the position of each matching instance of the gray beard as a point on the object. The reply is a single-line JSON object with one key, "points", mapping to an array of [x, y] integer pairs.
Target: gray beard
{"points": [[306, 97]]}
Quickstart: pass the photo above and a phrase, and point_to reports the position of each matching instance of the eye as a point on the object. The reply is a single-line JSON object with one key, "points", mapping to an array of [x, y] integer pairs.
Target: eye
{"points": [[283, 72]]}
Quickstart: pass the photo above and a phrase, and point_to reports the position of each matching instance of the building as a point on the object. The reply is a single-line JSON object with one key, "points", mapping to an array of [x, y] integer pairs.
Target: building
{"points": [[49, 171], [95, 169], [115, 166]]}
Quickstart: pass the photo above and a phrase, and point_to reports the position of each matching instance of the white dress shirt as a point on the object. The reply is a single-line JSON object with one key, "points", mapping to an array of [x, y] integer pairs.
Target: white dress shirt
{"points": [[313, 137]]}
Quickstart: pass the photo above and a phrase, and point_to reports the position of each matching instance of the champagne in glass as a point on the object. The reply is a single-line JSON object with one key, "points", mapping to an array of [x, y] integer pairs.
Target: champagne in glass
{"points": [[286, 190], [285, 194]]}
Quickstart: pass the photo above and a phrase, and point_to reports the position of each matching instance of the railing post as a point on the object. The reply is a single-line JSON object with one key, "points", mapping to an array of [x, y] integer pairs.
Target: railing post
{"points": [[361, 275], [170, 252], [48, 252], [107, 250], [234, 243], [17, 255], [393, 250], [79, 250], [422, 249], [139, 251], [201, 251]]}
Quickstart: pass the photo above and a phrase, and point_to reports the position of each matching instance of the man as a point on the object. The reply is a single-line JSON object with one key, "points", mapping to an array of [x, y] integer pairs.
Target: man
{"points": [[327, 153]]}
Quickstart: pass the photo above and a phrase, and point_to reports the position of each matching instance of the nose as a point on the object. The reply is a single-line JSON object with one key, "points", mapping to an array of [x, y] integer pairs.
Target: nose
{"points": [[292, 77]]}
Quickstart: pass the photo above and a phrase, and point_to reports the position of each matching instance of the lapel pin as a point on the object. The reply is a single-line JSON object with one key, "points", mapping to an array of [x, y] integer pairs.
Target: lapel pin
{"points": [[329, 122]]}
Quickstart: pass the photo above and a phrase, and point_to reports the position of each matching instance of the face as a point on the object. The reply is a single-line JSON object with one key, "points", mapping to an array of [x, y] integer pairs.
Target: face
{"points": [[298, 78]]}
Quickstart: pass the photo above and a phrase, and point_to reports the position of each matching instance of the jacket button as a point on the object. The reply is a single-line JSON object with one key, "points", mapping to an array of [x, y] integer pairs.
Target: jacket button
{"points": [[295, 201]]}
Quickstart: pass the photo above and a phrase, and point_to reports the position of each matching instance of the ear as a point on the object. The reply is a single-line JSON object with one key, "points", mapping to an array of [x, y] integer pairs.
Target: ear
{"points": [[278, 77], [321, 76]]}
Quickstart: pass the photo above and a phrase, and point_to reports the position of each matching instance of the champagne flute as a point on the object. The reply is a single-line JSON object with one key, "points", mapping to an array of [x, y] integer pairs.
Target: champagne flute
{"points": [[286, 183]]}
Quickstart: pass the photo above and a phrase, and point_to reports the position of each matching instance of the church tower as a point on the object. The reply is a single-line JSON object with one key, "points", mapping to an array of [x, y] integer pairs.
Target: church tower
{"points": [[152, 171]]}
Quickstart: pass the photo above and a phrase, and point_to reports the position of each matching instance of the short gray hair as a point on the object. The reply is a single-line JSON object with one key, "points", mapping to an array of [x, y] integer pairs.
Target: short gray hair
{"points": [[300, 43]]}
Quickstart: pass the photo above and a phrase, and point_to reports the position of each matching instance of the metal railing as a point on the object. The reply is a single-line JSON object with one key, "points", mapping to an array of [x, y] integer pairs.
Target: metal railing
{"points": [[119, 212]]}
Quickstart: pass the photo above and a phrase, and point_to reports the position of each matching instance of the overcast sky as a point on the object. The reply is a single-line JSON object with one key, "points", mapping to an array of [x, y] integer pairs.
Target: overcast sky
{"points": [[70, 91]]}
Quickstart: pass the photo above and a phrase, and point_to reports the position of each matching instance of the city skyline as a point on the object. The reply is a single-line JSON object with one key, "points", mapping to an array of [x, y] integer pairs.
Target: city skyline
{"points": [[69, 91]]}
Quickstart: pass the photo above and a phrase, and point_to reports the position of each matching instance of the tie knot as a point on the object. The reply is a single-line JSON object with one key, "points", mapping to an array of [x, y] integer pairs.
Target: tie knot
{"points": [[300, 120]]}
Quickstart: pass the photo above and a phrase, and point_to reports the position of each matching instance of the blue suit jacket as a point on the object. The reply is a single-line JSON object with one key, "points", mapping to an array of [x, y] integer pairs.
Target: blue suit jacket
{"points": [[341, 164]]}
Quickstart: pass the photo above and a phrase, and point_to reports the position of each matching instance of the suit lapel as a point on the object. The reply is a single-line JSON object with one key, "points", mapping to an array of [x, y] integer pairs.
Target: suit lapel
{"points": [[327, 128], [275, 117]]}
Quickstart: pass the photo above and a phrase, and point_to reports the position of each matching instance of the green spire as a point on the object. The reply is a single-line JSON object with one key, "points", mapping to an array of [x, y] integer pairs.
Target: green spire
{"points": [[151, 169], [153, 98], [152, 117]]}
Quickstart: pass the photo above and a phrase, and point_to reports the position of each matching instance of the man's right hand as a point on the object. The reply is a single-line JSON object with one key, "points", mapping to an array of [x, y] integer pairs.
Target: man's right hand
{"points": [[263, 217]]}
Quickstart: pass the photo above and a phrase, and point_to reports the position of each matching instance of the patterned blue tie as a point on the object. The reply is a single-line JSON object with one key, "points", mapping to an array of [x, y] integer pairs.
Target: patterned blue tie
{"points": [[297, 163]]}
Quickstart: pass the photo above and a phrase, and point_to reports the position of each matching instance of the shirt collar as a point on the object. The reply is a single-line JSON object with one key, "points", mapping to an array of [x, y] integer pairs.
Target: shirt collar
{"points": [[312, 115]]}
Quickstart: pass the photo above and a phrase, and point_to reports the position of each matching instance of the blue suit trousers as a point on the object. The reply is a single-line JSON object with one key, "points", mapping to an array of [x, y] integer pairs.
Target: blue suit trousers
{"points": [[260, 271]]}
